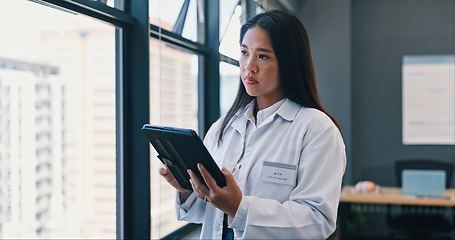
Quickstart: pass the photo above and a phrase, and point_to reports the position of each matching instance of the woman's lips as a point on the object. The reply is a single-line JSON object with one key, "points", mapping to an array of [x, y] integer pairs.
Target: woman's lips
{"points": [[250, 80]]}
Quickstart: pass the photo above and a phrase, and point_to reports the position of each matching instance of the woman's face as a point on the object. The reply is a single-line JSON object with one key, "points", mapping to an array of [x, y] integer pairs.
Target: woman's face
{"points": [[259, 67]]}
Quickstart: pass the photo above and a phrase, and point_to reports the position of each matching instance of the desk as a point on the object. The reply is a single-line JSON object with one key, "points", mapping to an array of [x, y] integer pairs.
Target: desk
{"points": [[388, 196], [392, 195]]}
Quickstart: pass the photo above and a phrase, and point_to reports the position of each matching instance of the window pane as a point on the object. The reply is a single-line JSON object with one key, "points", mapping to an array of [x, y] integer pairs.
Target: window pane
{"points": [[118, 4], [229, 83], [227, 8], [173, 102], [166, 13], [229, 41], [57, 124], [190, 29]]}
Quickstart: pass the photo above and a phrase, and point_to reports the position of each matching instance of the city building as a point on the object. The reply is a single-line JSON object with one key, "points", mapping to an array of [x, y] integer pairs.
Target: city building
{"points": [[30, 148]]}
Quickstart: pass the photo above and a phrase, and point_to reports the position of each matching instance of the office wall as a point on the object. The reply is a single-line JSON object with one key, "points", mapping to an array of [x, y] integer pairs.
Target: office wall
{"points": [[382, 32], [328, 24], [357, 47]]}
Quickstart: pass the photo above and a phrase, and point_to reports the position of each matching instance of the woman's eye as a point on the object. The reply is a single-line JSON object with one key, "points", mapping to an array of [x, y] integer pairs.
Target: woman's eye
{"points": [[263, 57], [243, 53]]}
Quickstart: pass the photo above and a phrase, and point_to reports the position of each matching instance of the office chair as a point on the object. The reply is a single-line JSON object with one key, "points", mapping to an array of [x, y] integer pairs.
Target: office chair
{"points": [[419, 222]]}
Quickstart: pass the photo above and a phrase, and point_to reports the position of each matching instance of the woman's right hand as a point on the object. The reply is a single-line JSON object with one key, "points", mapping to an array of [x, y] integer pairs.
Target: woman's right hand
{"points": [[166, 173]]}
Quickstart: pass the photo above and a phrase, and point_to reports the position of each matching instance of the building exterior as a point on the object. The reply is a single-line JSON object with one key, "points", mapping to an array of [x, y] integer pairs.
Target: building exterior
{"points": [[86, 57], [57, 138], [57, 135], [30, 148]]}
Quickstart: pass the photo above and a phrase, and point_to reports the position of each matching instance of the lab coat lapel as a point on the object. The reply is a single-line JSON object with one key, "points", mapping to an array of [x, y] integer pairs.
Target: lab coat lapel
{"points": [[289, 110], [239, 121]]}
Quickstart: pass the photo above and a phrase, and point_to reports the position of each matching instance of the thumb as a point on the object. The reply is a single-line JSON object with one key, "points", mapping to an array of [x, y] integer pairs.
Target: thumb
{"points": [[228, 176], [162, 170]]}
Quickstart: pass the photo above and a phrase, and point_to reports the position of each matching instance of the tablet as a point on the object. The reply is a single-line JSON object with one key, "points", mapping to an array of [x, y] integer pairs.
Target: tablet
{"points": [[180, 150]]}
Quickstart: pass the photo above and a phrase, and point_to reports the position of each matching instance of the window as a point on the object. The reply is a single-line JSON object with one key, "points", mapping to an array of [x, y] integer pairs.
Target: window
{"points": [[173, 86], [184, 17], [59, 70], [230, 24], [229, 83], [230, 29], [173, 94], [173, 102], [119, 4], [64, 97]]}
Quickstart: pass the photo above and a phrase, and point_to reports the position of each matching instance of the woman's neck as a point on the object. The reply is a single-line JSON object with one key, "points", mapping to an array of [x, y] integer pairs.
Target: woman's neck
{"points": [[263, 104]]}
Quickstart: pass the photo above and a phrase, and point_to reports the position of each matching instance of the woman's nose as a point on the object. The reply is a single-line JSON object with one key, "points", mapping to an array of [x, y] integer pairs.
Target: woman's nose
{"points": [[251, 65]]}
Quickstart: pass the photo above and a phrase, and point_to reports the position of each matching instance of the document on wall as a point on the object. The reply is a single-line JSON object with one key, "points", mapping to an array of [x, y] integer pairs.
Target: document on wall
{"points": [[429, 99]]}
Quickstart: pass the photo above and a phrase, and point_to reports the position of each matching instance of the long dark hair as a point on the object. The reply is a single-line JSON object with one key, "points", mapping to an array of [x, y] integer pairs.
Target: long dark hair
{"points": [[292, 49]]}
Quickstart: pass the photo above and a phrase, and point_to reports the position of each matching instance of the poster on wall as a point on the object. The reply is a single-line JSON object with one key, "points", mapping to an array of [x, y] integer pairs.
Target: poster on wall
{"points": [[428, 99]]}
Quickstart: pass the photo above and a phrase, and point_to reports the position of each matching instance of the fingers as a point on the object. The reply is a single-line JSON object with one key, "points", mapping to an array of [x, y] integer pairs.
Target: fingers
{"points": [[228, 176], [210, 189], [199, 188], [196, 190], [169, 177], [164, 171], [211, 183], [227, 199], [203, 191]]}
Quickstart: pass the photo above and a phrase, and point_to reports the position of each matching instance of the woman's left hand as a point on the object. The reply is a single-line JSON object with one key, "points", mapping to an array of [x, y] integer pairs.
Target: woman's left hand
{"points": [[227, 199]]}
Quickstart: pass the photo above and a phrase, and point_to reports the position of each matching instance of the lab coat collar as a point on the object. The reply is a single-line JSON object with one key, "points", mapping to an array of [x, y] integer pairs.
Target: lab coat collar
{"points": [[239, 121], [287, 111]]}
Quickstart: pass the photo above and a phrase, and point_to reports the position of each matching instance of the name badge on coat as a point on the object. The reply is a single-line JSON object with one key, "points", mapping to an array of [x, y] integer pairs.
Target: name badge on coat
{"points": [[279, 173]]}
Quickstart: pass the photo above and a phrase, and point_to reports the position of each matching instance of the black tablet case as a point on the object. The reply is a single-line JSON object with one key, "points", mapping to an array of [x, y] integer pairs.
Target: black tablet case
{"points": [[182, 149]]}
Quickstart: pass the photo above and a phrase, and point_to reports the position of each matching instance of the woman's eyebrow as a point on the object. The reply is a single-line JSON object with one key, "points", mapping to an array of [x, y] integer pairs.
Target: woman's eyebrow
{"points": [[258, 49]]}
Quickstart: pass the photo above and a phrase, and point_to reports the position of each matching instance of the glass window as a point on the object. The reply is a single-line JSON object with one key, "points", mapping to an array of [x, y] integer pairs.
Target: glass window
{"points": [[57, 124], [167, 18], [118, 4], [230, 31], [229, 83], [184, 17], [227, 8], [173, 102]]}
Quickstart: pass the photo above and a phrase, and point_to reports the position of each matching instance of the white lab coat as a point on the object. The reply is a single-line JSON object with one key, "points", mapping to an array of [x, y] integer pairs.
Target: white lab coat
{"points": [[305, 209]]}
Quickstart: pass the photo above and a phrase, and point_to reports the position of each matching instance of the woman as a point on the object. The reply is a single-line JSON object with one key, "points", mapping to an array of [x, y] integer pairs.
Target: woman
{"points": [[282, 155]]}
